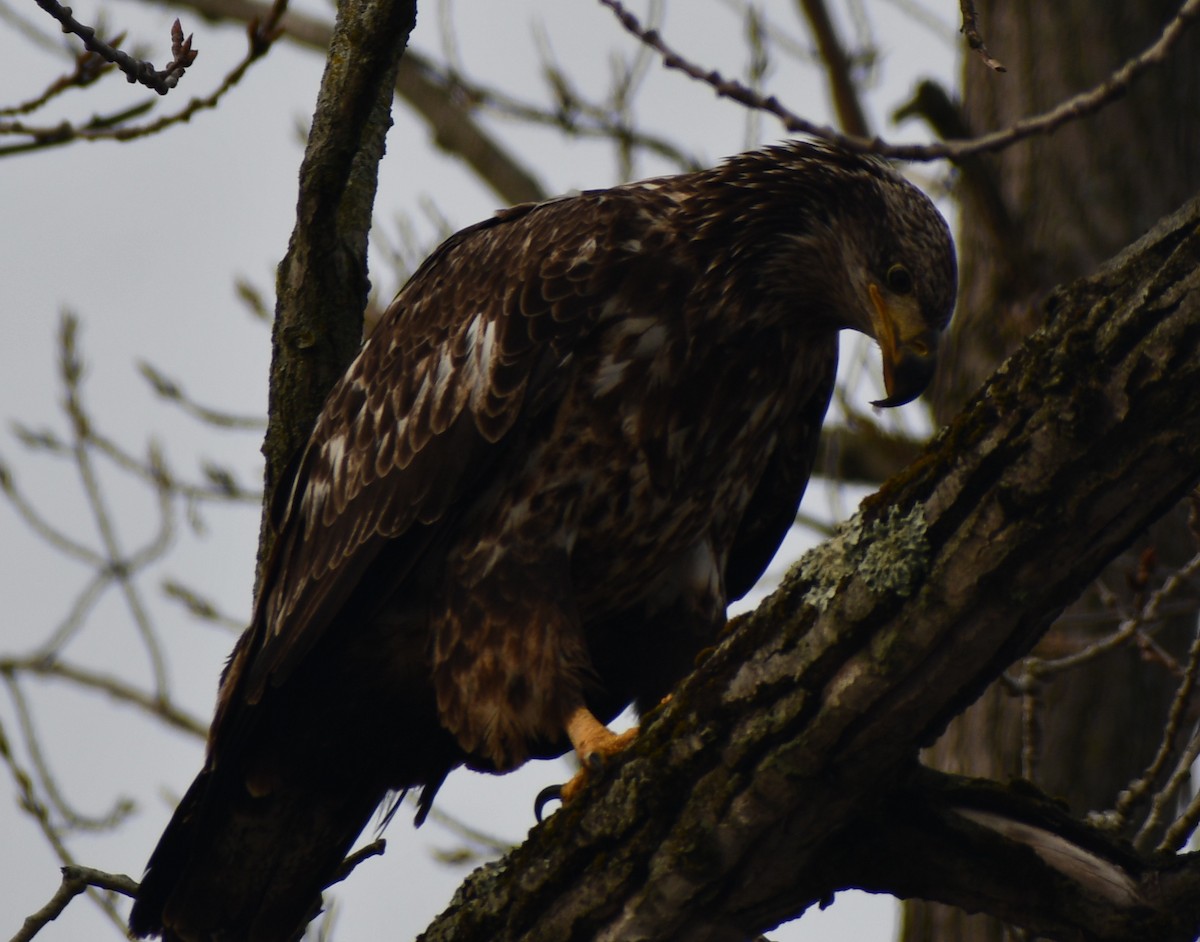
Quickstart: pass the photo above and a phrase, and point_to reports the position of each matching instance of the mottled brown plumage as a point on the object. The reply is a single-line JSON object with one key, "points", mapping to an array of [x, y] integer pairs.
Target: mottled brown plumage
{"points": [[580, 430]]}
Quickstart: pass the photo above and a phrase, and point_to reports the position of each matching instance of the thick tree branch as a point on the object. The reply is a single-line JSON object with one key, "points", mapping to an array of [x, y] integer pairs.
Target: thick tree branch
{"points": [[952, 840], [722, 819]]}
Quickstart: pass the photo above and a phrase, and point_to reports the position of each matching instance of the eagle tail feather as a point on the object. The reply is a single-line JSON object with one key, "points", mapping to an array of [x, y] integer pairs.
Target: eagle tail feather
{"points": [[237, 867]]}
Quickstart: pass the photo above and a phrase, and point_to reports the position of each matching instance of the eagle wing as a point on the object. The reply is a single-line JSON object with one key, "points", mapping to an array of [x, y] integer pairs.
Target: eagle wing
{"points": [[772, 508], [430, 405]]}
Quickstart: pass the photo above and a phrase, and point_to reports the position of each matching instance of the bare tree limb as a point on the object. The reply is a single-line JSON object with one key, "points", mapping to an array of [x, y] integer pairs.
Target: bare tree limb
{"points": [[1074, 108], [89, 66], [261, 33], [136, 70], [110, 686], [75, 880], [970, 29]]}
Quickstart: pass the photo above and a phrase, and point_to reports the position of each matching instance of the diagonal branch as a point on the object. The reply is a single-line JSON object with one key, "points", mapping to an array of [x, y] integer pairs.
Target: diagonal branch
{"points": [[722, 819], [970, 29], [136, 70], [1072, 109]]}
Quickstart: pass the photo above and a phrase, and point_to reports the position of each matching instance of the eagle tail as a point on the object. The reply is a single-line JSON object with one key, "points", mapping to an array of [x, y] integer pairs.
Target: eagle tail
{"points": [[234, 867]]}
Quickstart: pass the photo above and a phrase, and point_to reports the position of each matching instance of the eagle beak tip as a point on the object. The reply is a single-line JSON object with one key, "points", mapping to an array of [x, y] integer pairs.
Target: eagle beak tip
{"points": [[908, 375]]}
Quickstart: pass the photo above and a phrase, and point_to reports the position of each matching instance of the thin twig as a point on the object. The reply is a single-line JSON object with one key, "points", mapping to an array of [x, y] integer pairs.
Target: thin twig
{"points": [[261, 33], [172, 391], [71, 818], [1072, 109], [1181, 709], [490, 843], [118, 690], [36, 809], [374, 849], [1150, 612], [970, 28], [1165, 802], [573, 114], [201, 607], [136, 70], [40, 525], [71, 369], [89, 67], [75, 880]]}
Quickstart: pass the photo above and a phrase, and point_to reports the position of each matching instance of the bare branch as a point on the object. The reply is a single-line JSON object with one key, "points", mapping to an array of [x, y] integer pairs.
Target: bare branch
{"points": [[1181, 715], [117, 562], [261, 34], [75, 880], [136, 70], [970, 29], [71, 818], [1149, 614], [32, 805], [171, 391], [375, 849], [117, 689], [89, 66], [420, 84], [1074, 108]]}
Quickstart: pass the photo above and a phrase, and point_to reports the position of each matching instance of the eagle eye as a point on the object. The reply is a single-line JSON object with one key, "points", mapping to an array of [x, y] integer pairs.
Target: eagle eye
{"points": [[899, 280]]}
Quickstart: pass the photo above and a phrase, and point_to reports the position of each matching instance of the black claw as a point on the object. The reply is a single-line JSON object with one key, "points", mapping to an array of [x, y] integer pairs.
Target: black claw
{"points": [[544, 797], [594, 762]]}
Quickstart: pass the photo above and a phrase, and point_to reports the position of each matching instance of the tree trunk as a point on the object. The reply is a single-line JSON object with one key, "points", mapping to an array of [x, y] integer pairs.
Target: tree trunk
{"points": [[1066, 202]]}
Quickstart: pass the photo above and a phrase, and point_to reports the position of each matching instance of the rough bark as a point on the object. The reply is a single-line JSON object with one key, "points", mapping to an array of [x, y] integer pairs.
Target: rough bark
{"points": [[785, 768], [1033, 216], [322, 283]]}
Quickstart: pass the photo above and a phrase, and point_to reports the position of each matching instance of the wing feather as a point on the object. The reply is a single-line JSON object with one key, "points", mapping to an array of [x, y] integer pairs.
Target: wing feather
{"points": [[476, 339], [772, 509]]}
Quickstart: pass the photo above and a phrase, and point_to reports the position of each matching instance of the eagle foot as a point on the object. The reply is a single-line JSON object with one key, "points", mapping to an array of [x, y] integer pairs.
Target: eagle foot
{"points": [[594, 745]]}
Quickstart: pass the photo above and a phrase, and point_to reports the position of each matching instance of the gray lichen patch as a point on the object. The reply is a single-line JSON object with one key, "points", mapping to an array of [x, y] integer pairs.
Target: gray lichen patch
{"points": [[889, 555]]}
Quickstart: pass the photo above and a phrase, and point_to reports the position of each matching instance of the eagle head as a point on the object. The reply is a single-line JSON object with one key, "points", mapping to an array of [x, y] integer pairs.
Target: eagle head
{"points": [[855, 245]]}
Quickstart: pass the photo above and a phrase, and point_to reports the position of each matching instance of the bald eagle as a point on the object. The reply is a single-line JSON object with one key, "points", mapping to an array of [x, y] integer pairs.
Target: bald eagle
{"points": [[580, 430]]}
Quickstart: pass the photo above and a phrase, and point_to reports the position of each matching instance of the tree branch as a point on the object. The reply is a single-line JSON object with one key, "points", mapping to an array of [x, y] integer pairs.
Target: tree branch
{"points": [[951, 839], [75, 880], [721, 820], [136, 70], [1072, 109], [970, 29]]}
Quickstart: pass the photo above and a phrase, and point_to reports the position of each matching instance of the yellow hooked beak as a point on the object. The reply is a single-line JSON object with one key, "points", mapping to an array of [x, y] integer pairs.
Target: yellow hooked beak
{"points": [[908, 345]]}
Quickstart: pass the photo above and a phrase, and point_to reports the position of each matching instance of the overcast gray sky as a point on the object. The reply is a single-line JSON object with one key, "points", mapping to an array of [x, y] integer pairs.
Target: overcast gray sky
{"points": [[143, 242]]}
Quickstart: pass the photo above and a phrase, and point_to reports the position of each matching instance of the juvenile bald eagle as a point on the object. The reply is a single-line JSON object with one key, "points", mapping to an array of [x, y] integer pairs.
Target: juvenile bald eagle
{"points": [[581, 429]]}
